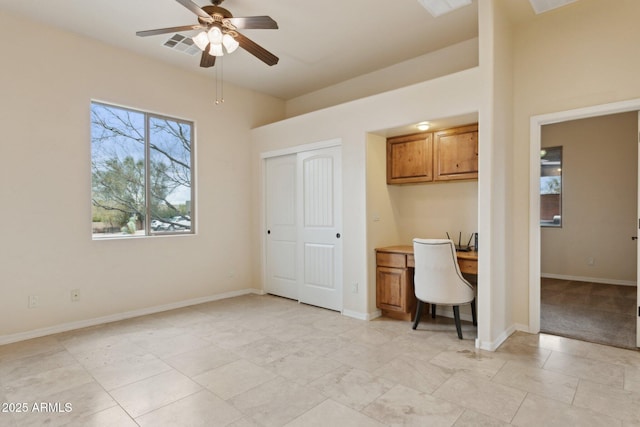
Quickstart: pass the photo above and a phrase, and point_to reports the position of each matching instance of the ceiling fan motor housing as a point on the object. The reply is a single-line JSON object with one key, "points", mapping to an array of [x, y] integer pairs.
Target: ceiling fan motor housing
{"points": [[217, 13]]}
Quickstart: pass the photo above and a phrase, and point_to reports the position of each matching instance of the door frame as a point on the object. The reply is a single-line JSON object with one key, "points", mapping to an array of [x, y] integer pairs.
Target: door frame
{"points": [[335, 142], [535, 138]]}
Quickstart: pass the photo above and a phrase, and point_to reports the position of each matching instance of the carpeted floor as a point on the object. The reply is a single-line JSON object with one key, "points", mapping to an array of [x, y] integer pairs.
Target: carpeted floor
{"points": [[593, 312]]}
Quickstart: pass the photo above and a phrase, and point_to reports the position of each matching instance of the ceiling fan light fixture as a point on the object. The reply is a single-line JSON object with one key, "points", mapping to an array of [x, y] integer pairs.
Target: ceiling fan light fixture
{"points": [[216, 50], [215, 36], [201, 40], [230, 43]]}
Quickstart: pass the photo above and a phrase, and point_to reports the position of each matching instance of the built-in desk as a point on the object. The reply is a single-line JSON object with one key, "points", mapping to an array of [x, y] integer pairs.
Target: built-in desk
{"points": [[395, 296]]}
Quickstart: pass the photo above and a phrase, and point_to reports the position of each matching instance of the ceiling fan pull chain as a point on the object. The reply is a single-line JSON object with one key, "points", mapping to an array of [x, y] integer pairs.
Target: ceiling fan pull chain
{"points": [[220, 81], [216, 83]]}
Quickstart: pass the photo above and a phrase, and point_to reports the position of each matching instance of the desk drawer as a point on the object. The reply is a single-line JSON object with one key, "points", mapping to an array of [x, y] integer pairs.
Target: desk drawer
{"points": [[386, 259]]}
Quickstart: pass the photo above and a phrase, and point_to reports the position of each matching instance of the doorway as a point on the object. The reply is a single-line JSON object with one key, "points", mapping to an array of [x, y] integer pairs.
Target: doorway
{"points": [[591, 281]]}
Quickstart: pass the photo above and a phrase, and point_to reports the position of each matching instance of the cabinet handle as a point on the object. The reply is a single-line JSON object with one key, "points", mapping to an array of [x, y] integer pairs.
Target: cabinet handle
{"points": [[338, 235], [268, 231]]}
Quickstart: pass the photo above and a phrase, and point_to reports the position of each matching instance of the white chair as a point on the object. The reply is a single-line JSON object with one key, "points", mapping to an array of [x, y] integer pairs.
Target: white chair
{"points": [[438, 279]]}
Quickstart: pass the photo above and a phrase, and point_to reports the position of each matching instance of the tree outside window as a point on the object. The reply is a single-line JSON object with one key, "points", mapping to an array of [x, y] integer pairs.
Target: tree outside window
{"points": [[142, 175]]}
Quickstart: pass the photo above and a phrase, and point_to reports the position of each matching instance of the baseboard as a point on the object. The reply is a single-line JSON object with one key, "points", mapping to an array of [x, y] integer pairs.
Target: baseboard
{"points": [[493, 345], [360, 315], [65, 327], [522, 328], [489, 346], [447, 311], [589, 279]]}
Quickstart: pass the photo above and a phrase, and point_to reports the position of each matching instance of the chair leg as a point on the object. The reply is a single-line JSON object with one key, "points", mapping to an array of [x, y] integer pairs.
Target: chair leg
{"points": [[456, 315], [473, 312], [418, 314], [433, 310]]}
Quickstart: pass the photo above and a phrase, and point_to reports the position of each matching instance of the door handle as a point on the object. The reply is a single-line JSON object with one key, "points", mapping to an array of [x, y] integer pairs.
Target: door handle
{"points": [[634, 237]]}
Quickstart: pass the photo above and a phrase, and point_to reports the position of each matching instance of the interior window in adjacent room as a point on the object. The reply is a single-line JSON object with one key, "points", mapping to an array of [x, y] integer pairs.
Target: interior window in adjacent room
{"points": [[551, 187]]}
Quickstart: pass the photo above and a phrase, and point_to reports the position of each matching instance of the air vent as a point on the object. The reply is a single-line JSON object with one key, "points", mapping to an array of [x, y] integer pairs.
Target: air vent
{"points": [[183, 44]]}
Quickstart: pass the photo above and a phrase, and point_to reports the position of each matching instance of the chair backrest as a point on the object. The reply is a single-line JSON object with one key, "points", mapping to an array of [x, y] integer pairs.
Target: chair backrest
{"points": [[437, 276]]}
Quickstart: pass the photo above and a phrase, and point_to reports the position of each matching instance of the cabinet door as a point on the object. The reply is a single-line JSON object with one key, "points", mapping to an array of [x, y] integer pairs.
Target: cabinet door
{"points": [[456, 153], [393, 289], [410, 159]]}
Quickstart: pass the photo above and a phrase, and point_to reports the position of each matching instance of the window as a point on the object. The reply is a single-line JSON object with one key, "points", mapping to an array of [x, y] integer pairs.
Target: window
{"points": [[551, 187], [141, 173]]}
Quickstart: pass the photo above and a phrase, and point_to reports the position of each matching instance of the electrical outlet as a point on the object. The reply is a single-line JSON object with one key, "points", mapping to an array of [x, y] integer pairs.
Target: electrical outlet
{"points": [[354, 288], [34, 301], [591, 261], [75, 295]]}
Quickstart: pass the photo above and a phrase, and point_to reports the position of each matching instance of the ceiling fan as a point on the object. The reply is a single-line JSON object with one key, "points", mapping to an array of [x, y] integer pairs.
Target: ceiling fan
{"points": [[220, 28]]}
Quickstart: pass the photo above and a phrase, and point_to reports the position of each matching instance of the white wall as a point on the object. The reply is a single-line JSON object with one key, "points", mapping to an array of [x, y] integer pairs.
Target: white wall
{"points": [[495, 319], [431, 210], [382, 227], [576, 56], [45, 183], [454, 58], [448, 96]]}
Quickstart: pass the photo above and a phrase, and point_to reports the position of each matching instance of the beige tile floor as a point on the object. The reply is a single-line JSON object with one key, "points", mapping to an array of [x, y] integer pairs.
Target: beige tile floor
{"points": [[266, 361]]}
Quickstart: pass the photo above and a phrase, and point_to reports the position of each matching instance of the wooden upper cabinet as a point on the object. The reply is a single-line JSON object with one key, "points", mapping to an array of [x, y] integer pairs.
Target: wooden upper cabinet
{"points": [[410, 158], [456, 153]]}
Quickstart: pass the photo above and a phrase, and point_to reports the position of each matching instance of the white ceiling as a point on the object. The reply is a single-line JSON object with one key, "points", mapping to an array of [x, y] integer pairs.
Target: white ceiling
{"points": [[319, 43]]}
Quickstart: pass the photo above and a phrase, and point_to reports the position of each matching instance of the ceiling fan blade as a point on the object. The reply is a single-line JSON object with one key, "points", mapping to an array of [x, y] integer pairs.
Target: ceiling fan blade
{"points": [[256, 50], [254, 22], [168, 30], [196, 9], [206, 60]]}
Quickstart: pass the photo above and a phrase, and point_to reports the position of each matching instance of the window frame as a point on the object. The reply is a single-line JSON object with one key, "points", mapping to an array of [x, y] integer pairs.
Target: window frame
{"points": [[148, 117], [543, 152]]}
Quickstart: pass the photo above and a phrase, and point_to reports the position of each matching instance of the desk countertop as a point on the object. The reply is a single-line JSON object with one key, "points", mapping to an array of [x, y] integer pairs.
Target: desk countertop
{"points": [[408, 250]]}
